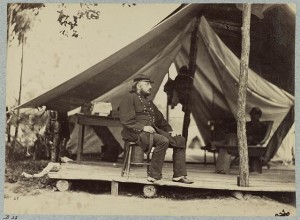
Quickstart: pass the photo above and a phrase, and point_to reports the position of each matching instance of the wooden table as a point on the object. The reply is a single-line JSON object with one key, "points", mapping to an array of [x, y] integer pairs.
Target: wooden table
{"points": [[92, 120], [255, 154]]}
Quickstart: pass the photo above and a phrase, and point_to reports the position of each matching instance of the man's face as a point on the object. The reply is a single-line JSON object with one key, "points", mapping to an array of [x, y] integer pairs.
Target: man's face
{"points": [[144, 87]]}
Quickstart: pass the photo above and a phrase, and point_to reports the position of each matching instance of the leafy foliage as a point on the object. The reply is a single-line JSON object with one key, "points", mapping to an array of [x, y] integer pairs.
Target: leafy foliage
{"points": [[68, 19], [129, 5], [20, 17]]}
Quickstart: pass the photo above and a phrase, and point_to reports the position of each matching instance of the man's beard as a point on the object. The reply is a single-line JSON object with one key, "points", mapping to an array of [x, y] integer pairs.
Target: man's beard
{"points": [[145, 93]]}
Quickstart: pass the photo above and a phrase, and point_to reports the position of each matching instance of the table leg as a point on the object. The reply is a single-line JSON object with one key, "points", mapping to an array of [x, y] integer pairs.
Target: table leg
{"points": [[80, 142]]}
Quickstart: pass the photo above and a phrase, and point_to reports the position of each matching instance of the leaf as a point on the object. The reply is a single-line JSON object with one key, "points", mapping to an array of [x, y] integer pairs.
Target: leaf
{"points": [[70, 21]]}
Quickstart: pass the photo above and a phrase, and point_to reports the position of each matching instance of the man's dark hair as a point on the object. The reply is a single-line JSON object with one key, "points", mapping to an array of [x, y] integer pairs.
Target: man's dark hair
{"points": [[256, 110], [134, 87], [184, 70]]}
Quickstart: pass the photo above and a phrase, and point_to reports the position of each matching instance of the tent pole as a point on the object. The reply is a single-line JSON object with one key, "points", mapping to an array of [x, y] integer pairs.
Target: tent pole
{"points": [[192, 68], [243, 179], [167, 107], [167, 112]]}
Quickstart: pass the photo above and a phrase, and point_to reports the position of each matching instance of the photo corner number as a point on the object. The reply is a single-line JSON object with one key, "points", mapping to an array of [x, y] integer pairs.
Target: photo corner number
{"points": [[10, 217]]}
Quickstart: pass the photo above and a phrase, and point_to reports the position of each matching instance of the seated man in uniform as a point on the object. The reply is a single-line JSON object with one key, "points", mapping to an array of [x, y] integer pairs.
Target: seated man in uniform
{"points": [[255, 131], [144, 123]]}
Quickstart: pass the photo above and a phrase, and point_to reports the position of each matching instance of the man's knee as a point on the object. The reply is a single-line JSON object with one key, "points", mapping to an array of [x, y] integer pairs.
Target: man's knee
{"points": [[162, 140]]}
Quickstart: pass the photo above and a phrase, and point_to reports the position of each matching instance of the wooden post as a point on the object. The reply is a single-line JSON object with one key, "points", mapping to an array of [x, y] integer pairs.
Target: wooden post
{"points": [[167, 108], [114, 188], [192, 68], [243, 81], [167, 112]]}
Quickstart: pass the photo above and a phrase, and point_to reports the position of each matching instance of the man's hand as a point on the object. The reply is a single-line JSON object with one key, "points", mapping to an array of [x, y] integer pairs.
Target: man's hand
{"points": [[149, 129]]}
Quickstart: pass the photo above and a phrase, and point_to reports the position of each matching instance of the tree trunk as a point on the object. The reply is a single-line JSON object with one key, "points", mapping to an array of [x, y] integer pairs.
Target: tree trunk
{"points": [[243, 81], [11, 156]]}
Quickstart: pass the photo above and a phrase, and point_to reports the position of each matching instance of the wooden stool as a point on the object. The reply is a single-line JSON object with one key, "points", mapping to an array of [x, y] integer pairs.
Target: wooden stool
{"points": [[128, 160]]}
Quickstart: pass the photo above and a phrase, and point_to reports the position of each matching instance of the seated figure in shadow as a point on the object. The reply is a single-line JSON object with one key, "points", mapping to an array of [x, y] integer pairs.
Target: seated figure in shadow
{"points": [[255, 131]]}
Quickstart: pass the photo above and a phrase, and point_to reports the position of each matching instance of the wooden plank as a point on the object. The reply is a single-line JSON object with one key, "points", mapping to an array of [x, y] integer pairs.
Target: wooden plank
{"points": [[167, 168], [191, 166], [269, 176], [253, 151], [271, 180], [203, 184], [194, 175], [96, 121], [200, 185]]}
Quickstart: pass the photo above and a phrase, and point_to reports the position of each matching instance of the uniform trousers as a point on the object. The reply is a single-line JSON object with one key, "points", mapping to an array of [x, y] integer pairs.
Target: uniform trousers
{"points": [[161, 144]]}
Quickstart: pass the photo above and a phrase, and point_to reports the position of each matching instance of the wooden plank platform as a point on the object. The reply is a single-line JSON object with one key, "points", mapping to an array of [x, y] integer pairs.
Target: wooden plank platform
{"points": [[275, 179]]}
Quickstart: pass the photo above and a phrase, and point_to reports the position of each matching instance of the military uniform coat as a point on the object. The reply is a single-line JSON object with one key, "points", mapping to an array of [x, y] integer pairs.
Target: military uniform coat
{"points": [[136, 112]]}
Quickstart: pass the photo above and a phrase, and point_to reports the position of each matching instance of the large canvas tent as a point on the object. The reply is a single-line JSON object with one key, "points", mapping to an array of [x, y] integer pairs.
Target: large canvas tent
{"points": [[271, 75]]}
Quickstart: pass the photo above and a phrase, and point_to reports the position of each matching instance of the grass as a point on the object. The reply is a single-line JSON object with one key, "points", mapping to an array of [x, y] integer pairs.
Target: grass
{"points": [[26, 186]]}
